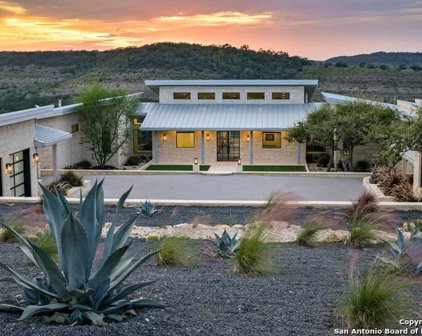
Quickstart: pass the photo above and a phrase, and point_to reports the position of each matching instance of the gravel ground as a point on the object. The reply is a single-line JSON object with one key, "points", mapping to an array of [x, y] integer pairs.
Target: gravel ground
{"points": [[208, 299]]}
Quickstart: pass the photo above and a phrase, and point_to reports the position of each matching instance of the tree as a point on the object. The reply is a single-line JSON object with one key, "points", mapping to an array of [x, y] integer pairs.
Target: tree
{"points": [[350, 124], [105, 120]]}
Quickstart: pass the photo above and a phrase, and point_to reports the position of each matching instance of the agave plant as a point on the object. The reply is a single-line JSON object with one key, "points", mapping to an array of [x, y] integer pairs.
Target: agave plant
{"points": [[147, 208], [406, 254], [88, 285], [227, 246]]}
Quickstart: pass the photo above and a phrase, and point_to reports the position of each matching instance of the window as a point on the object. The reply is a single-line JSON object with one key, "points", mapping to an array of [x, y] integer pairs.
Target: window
{"points": [[185, 139], [271, 140], [231, 95], [206, 95], [137, 121], [181, 95], [74, 128], [142, 141], [256, 95], [281, 95]]}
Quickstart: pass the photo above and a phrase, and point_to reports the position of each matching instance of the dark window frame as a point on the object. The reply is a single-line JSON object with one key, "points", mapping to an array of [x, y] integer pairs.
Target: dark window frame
{"points": [[236, 95], [249, 96], [74, 128], [282, 95], [212, 94], [265, 134], [188, 95]]}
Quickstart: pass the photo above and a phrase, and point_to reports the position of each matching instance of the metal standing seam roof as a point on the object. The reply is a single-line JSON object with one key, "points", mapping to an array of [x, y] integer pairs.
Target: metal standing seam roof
{"points": [[189, 117], [47, 136], [333, 98], [233, 82]]}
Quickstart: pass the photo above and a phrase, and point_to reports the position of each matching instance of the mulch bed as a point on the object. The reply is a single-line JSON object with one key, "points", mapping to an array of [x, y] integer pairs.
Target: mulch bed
{"points": [[208, 299]]}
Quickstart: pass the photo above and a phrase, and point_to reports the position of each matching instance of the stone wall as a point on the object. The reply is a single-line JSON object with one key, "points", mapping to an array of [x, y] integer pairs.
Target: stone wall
{"points": [[15, 138]]}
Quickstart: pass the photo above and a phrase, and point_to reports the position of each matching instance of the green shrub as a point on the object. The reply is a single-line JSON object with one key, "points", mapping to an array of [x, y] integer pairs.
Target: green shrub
{"points": [[254, 254], [362, 166], [71, 179], [375, 300], [307, 233], [17, 224], [172, 250], [148, 209], [413, 224], [88, 285], [45, 241], [85, 164], [362, 233], [57, 185], [133, 160]]}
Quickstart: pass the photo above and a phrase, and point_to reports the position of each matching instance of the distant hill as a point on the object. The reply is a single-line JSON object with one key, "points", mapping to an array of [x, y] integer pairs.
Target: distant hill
{"points": [[40, 78], [378, 58]]}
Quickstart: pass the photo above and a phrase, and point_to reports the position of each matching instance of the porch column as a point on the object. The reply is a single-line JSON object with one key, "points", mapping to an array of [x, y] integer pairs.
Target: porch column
{"points": [[55, 166], [155, 144], [299, 153], [417, 175], [251, 146], [202, 148]]}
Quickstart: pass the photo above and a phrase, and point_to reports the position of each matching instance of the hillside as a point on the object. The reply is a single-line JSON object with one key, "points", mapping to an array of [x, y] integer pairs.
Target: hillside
{"points": [[30, 78], [379, 58]]}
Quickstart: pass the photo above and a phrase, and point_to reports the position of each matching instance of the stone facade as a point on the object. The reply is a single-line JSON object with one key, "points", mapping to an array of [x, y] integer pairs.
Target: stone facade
{"points": [[14, 138]]}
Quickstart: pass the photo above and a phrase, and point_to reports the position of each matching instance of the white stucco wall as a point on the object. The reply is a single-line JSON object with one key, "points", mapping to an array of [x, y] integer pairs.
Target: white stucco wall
{"points": [[297, 94], [15, 138]]}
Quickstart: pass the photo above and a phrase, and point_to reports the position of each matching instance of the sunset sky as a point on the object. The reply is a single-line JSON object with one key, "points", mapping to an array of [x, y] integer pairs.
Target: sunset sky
{"points": [[317, 29]]}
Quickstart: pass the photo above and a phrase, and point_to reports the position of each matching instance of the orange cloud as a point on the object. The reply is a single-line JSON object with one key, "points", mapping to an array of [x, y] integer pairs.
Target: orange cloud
{"points": [[12, 8]]}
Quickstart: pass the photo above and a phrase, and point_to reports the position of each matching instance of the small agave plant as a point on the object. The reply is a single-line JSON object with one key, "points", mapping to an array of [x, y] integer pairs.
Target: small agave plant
{"points": [[147, 208], [406, 254], [227, 246], [89, 284]]}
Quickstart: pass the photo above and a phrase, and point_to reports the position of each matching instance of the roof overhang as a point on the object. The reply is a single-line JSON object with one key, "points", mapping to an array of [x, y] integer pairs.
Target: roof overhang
{"points": [[333, 98], [47, 136], [224, 117]]}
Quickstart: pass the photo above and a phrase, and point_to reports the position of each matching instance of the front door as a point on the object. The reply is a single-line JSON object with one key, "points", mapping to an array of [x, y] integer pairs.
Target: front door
{"points": [[20, 179], [228, 146]]}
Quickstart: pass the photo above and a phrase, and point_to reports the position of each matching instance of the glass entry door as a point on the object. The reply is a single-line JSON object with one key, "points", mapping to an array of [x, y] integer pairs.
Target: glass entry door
{"points": [[20, 184], [228, 146]]}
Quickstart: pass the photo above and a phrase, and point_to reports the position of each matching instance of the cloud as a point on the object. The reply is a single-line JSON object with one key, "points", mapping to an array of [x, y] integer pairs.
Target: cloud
{"points": [[11, 8]]}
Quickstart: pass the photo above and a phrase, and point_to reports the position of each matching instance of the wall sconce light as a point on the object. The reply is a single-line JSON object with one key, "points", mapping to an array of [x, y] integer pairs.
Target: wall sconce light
{"points": [[164, 137], [8, 168], [239, 162], [208, 137], [35, 157], [195, 161], [248, 137]]}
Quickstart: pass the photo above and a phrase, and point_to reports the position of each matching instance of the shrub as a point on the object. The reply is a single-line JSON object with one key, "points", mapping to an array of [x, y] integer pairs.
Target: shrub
{"points": [[63, 187], [406, 255], [362, 233], [85, 164], [133, 160], [16, 223], [89, 285], [227, 246], [147, 208], [411, 225], [173, 251], [254, 255], [45, 241], [71, 179], [308, 231], [365, 208], [362, 166], [323, 160], [375, 300]]}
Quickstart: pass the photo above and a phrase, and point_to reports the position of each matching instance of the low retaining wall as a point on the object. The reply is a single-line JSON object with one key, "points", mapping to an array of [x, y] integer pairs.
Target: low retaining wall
{"points": [[373, 189]]}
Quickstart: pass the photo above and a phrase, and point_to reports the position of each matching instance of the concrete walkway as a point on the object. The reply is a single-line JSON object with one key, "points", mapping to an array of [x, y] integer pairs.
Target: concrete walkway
{"points": [[231, 187]]}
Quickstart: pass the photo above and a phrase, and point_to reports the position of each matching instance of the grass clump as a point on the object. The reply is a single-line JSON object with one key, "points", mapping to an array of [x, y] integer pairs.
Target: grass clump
{"points": [[254, 254], [173, 250], [71, 179], [308, 231], [16, 223], [363, 217], [45, 241], [375, 300]]}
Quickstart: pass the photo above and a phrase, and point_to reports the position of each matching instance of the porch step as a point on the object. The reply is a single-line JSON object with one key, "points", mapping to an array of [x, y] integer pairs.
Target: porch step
{"points": [[221, 170]]}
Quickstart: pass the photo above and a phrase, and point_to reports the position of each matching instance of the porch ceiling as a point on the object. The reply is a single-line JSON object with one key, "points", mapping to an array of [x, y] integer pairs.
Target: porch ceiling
{"points": [[224, 117]]}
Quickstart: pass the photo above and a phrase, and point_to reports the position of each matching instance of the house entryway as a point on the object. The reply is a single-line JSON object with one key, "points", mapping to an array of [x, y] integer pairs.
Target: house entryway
{"points": [[222, 168], [228, 145]]}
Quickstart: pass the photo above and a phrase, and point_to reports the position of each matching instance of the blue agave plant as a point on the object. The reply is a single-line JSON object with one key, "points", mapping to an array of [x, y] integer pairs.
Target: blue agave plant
{"points": [[406, 254], [227, 245], [82, 287], [147, 208]]}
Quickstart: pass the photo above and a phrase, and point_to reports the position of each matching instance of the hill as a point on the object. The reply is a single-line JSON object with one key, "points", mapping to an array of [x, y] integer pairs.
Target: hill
{"points": [[379, 58], [30, 78]]}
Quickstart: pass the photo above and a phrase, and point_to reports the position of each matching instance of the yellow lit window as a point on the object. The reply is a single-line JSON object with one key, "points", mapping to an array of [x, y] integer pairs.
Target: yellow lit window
{"points": [[256, 95], [281, 95], [181, 95], [271, 140], [185, 139], [231, 95], [137, 121], [206, 95]]}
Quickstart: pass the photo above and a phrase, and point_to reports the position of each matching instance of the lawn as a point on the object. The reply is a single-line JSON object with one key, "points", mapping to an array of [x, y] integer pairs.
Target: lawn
{"points": [[177, 167], [263, 168]]}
